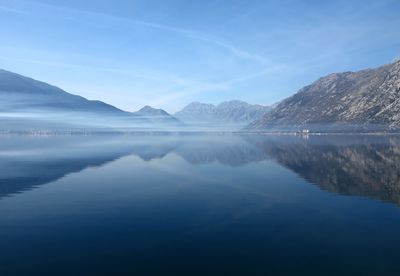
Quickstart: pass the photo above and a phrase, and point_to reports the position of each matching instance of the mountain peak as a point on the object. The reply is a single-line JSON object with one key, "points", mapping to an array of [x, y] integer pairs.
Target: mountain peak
{"points": [[199, 105], [233, 104], [156, 115], [151, 111]]}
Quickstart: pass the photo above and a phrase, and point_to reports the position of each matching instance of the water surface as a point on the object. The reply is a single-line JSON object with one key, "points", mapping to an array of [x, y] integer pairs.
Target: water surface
{"points": [[199, 205]]}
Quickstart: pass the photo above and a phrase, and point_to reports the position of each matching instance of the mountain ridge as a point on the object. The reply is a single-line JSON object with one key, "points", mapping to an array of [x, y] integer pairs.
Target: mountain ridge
{"points": [[156, 115], [26, 103], [365, 99], [23, 93], [233, 111]]}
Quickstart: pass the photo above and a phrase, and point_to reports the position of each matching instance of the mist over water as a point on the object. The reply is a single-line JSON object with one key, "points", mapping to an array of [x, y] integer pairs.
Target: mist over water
{"points": [[199, 204]]}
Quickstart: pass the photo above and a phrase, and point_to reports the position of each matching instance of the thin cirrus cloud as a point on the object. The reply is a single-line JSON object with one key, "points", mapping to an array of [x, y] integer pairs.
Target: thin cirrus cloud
{"points": [[81, 16], [169, 54], [194, 88], [178, 85]]}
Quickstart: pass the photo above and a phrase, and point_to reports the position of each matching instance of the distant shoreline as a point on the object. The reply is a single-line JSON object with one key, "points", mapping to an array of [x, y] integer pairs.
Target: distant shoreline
{"points": [[70, 132]]}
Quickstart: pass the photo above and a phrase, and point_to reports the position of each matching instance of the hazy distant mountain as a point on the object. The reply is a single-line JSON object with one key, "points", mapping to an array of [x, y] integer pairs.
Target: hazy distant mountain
{"points": [[196, 111], [41, 105], [368, 99], [238, 112], [155, 115], [19, 93]]}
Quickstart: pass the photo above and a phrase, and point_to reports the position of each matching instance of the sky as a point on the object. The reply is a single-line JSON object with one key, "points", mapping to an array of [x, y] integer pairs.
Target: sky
{"points": [[168, 53]]}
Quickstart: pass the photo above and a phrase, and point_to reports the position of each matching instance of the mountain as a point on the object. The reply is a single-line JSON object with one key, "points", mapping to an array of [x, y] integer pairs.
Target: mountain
{"points": [[40, 105], [234, 112], [354, 101], [158, 116], [196, 111], [20, 93]]}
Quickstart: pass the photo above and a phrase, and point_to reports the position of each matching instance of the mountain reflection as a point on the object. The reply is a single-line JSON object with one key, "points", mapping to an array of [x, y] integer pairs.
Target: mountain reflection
{"points": [[352, 165]]}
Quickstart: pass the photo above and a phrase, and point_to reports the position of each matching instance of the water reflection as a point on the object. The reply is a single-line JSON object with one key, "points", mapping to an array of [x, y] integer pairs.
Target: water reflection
{"points": [[352, 165], [199, 205]]}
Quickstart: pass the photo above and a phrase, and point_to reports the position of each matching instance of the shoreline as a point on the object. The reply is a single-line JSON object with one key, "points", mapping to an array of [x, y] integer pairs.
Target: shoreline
{"points": [[84, 132]]}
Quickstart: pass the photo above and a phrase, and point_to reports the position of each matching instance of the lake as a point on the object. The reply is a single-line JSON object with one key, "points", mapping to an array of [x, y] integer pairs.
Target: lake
{"points": [[199, 205]]}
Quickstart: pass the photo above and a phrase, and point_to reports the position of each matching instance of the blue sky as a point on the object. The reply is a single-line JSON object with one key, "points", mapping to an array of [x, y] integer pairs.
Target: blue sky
{"points": [[167, 53]]}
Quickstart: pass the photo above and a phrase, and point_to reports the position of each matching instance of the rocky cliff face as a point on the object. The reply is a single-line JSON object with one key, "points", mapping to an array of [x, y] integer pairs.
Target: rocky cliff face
{"points": [[368, 98], [235, 111]]}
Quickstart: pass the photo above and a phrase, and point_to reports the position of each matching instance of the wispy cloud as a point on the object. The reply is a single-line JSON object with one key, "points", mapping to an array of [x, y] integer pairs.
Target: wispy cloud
{"points": [[176, 87], [135, 73], [168, 60], [197, 87], [13, 10], [83, 16]]}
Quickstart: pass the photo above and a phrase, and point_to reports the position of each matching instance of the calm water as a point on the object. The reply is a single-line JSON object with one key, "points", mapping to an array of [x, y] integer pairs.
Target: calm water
{"points": [[199, 205]]}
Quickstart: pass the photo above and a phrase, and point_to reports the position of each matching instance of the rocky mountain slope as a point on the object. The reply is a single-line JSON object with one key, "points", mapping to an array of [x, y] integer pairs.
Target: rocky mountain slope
{"points": [[235, 111], [367, 99], [196, 111]]}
